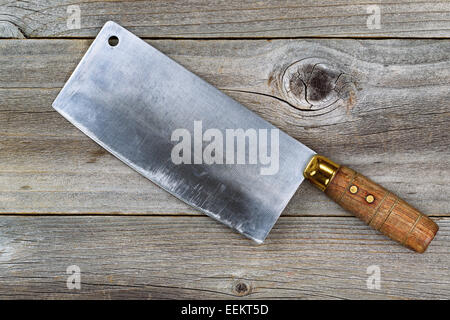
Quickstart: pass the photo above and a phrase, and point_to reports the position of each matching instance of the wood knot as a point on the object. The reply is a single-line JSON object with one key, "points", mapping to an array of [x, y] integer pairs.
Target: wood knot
{"points": [[241, 288], [317, 86]]}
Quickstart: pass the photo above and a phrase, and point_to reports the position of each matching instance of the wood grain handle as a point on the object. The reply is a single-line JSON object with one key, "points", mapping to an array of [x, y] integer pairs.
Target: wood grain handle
{"points": [[380, 208]]}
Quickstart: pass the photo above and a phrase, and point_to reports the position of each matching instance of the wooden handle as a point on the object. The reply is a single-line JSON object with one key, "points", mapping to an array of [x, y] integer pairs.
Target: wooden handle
{"points": [[381, 209]]}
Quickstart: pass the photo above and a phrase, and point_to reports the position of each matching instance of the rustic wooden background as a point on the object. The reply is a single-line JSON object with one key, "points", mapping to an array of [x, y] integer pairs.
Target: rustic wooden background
{"points": [[374, 99]]}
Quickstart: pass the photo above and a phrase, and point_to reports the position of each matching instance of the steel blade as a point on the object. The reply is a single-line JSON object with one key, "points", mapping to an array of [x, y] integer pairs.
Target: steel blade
{"points": [[130, 98]]}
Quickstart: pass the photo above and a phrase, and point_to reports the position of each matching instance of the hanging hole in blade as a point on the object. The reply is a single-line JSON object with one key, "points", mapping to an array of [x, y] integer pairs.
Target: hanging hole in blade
{"points": [[113, 41]]}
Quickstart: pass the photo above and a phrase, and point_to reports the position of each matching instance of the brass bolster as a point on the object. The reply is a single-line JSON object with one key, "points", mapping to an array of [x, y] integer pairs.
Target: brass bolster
{"points": [[320, 171]]}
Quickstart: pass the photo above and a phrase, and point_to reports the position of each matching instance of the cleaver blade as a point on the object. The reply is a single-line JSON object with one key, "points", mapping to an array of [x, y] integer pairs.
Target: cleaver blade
{"points": [[130, 98], [207, 149]]}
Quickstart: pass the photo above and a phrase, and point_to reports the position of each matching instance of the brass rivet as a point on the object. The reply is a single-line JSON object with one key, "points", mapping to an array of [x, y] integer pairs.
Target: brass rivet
{"points": [[353, 189], [370, 198]]}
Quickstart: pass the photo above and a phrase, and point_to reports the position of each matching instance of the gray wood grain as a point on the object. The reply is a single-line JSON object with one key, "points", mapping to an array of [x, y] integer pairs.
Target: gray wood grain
{"points": [[226, 19], [389, 121], [196, 257]]}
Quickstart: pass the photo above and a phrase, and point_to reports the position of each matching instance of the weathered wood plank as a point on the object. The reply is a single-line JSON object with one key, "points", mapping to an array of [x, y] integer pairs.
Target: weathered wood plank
{"points": [[9, 30], [196, 257], [390, 121], [218, 19]]}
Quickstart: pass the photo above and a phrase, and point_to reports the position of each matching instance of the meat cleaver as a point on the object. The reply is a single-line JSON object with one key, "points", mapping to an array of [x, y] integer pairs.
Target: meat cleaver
{"points": [[207, 149]]}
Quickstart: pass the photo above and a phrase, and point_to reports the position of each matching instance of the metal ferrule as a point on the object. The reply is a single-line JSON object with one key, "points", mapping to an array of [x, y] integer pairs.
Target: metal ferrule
{"points": [[320, 171]]}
